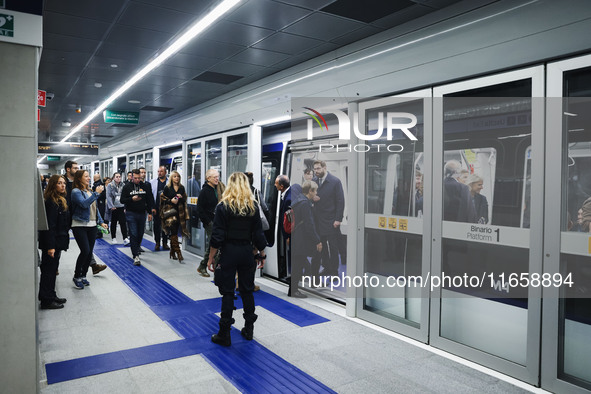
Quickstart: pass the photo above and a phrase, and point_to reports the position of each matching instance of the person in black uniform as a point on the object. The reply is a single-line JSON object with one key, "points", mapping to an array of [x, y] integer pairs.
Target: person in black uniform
{"points": [[238, 232], [53, 241]]}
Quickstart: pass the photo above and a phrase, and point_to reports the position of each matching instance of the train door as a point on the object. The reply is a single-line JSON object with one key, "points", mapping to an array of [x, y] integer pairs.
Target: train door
{"points": [[566, 325], [491, 131], [394, 216], [194, 154]]}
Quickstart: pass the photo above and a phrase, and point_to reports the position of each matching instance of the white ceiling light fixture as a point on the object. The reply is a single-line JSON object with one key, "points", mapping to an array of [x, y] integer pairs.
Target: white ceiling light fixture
{"points": [[133, 101], [180, 42]]}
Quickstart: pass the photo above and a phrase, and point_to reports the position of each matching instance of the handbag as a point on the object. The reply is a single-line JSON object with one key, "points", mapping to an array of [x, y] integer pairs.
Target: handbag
{"points": [[170, 211], [264, 220]]}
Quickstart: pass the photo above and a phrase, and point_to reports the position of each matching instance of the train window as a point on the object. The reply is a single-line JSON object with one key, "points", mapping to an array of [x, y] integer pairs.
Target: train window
{"points": [[236, 157], [213, 155], [149, 166], [132, 165]]}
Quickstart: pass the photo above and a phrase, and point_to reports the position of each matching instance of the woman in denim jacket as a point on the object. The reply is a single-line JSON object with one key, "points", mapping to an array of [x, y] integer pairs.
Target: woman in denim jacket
{"points": [[85, 217]]}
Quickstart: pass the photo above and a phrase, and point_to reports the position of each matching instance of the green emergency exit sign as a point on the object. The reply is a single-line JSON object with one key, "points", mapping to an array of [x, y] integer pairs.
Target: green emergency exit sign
{"points": [[125, 117], [6, 25], [54, 158]]}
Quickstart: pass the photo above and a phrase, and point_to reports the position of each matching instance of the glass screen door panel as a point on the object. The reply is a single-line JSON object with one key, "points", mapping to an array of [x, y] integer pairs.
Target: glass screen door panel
{"points": [[236, 157], [213, 155], [196, 241], [574, 325], [488, 169], [396, 183]]}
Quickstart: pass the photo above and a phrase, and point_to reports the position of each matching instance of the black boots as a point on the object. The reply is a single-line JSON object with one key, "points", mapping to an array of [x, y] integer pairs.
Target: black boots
{"points": [[248, 330], [223, 336]]}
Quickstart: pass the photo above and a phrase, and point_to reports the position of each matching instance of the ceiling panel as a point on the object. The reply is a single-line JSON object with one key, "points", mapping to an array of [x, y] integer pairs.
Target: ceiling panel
{"points": [[403, 16], [128, 35], [63, 57], [236, 68], [238, 33], [75, 26], [310, 4], [176, 72], [125, 52], [192, 7], [212, 49], [104, 10], [259, 57], [288, 43], [267, 14], [155, 18], [68, 44], [356, 35], [323, 26], [192, 62]]}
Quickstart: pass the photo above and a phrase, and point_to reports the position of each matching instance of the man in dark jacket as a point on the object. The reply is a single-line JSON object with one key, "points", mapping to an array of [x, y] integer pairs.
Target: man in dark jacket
{"points": [[328, 212], [101, 201], [138, 202], [206, 203], [283, 186], [305, 240]]}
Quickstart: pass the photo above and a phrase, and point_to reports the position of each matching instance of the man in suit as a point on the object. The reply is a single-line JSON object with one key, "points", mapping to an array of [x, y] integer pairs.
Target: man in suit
{"points": [[457, 201], [283, 186], [328, 211]]}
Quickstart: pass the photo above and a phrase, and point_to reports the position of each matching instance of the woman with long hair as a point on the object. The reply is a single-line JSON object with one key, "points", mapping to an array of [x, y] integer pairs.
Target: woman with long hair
{"points": [[174, 213], [53, 240], [238, 233], [85, 217]]}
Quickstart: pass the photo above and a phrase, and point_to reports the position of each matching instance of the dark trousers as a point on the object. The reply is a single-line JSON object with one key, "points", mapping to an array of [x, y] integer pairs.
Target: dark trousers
{"points": [[236, 258], [49, 266], [158, 233], [85, 238], [118, 216], [329, 256], [208, 230], [136, 221]]}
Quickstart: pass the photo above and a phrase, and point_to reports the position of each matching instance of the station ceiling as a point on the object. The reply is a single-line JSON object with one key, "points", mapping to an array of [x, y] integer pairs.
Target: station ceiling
{"points": [[90, 48]]}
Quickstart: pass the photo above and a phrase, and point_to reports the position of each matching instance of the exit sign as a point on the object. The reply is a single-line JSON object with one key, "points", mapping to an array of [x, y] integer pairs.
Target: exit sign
{"points": [[54, 158]]}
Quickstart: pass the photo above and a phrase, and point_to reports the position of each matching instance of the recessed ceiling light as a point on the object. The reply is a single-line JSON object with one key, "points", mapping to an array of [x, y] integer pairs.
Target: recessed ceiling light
{"points": [[133, 101], [114, 65], [98, 85]]}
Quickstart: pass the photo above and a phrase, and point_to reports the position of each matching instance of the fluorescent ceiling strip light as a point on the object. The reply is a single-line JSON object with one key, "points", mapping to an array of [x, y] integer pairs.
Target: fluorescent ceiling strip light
{"points": [[41, 159], [195, 30], [273, 120]]}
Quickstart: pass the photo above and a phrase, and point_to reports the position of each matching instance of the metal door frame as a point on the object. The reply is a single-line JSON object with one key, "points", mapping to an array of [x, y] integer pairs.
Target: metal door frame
{"points": [[421, 333], [529, 372], [552, 234]]}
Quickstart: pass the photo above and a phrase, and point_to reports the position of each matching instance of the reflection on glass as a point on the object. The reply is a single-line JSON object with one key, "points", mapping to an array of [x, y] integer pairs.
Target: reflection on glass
{"points": [[149, 166], [237, 159], [132, 163], [193, 190], [213, 155], [575, 305], [486, 172]]}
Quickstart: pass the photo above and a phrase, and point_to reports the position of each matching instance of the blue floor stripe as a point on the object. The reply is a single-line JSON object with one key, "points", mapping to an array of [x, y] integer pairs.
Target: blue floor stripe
{"points": [[247, 364]]}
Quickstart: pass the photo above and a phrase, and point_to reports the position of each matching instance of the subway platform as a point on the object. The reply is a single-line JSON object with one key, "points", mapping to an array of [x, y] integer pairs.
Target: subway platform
{"points": [[147, 330]]}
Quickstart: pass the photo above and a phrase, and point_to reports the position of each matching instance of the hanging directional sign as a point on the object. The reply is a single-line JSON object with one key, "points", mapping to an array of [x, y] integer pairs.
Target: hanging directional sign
{"points": [[48, 148], [125, 117]]}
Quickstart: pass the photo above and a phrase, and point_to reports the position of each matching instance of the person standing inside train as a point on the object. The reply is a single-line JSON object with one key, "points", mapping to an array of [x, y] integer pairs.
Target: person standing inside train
{"points": [[137, 203], [117, 209], [53, 240], [206, 203], [328, 212], [305, 240], [238, 233], [173, 208], [283, 186], [584, 216], [480, 202], [85, 217], [457, 202], [158, 184]]}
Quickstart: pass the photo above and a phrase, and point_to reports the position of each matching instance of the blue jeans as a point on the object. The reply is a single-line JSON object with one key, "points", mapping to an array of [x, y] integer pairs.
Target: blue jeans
{"points": [[136, 223]]}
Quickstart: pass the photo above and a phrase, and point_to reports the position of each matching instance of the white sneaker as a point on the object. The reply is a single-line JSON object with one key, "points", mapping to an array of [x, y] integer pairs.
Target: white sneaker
{"points": [[114, 241], [126, 241], [136, 260]]}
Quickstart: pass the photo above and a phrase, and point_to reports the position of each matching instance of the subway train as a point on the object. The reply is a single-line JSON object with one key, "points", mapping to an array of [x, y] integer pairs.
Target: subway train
{"points": [[516, 124]]}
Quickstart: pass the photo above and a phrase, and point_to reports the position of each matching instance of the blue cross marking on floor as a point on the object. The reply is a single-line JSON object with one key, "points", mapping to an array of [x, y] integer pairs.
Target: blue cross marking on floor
{"points": [[246, 364]]}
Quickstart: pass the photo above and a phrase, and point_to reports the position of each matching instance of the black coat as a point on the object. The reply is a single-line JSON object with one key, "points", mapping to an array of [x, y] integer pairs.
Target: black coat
{"points": [[457, 202], [101, 201], [304, 236], [228, 227], [481, 207], [331, 206], [206, 204], [58, 220]]}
